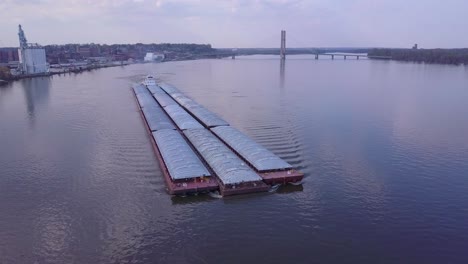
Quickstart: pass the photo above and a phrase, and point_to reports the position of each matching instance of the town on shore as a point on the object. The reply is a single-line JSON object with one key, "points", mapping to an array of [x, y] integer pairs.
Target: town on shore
{"points": [[32, 59], [78, 57]]}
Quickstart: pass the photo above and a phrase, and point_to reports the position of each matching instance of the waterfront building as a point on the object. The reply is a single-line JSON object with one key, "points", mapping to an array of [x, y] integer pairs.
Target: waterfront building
{"points": [[153, 57], [32, 56]]}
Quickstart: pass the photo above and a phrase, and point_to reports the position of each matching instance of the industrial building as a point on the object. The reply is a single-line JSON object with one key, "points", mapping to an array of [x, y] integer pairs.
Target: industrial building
{"points": [[32, 56], [154, 57]]}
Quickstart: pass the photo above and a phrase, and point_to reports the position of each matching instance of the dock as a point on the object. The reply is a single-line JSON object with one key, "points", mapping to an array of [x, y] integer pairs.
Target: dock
{"points": [[199, 152]]}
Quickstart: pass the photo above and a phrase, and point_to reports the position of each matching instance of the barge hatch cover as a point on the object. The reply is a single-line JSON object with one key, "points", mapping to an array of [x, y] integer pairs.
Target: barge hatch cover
{"points": [[180, 159], [183, 100], [207, 117], [144, 98], [183, 119], [154, 115], [164, 99], [139, 88], [157, 119], [258, 156], [229, 168], [169, 88], [154, 88]]}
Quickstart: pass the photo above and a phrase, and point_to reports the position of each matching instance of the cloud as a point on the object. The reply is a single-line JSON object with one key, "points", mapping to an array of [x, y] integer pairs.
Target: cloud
{"points": [[238, 23]]}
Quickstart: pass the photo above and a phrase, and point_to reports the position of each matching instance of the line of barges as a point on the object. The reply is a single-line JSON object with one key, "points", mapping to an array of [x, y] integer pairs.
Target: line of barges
{"points": [[198, 151]]}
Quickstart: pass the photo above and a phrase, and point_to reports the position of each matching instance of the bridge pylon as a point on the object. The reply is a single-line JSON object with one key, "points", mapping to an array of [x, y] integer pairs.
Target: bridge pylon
{"points": [[283, 45]]}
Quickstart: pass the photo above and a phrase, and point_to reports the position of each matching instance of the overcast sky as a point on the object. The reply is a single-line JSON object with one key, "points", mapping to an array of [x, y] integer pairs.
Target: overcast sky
{"points": [[239, 23]]}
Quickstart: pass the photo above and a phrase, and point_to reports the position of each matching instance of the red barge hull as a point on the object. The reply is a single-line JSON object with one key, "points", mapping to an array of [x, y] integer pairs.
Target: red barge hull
{"points": [[243, 188], [282, 177]]}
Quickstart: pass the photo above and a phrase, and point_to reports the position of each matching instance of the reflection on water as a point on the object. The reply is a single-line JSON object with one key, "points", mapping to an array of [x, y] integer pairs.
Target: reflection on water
{"points": [[4, 90], [383, 146], [36, 92], [282, 70]]}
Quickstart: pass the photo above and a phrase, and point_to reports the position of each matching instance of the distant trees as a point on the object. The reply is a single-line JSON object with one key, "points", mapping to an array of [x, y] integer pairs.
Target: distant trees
{"points": [[56, 53], [443, 56]]}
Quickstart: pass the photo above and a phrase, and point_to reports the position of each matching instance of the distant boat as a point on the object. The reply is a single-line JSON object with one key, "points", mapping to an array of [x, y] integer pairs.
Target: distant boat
{"points": [[149, 80], [154, 57]]}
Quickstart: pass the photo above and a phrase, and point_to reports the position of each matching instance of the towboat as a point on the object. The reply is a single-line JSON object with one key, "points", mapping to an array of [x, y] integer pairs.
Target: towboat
{"points": [[149, 80]]}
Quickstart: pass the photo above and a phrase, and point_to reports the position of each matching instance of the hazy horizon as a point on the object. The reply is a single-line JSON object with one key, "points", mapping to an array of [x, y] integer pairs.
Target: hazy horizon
{"points": [[238, 23]]}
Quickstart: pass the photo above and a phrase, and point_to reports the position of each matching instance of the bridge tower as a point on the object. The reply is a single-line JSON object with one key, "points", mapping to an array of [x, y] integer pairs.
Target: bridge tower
{"points": [[283, 45]]}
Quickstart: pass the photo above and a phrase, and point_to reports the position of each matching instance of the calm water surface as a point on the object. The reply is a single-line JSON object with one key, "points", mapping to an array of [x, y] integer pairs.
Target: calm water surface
{"points": [[384, 148]]}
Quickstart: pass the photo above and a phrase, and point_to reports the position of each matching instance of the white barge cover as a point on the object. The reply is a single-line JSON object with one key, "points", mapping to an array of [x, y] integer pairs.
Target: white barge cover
{"points": [[180, 159], [227, 165], [182, 99], [144, 97], [154, 89], [168, 88], [164, 99], [208, 118], [156, 118], [140, 88], [182, 119], [258, 156]]}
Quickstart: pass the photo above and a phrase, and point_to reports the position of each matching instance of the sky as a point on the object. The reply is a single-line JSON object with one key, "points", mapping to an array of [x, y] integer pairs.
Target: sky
{"points": [[239, 23]]}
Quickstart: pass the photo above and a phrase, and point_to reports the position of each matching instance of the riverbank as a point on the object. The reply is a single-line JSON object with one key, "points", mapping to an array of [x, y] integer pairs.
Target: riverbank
{"points": [[59, 71], [437, 56]]}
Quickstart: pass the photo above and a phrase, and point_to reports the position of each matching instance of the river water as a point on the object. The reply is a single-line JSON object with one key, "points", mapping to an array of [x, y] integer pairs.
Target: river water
{"points": [[383, 145]]}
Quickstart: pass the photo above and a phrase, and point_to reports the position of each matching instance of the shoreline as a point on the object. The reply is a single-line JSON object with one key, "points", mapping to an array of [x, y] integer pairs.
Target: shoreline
{"points": [[81, 69], [48, 74]]}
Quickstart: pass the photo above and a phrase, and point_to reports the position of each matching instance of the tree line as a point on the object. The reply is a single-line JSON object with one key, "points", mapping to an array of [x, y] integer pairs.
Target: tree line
{"points": [[442, 56]]}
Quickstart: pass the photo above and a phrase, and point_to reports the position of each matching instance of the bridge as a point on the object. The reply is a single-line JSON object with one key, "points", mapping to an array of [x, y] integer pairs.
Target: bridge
{"points": [[357, 56], [342, 53], [224, 53]]}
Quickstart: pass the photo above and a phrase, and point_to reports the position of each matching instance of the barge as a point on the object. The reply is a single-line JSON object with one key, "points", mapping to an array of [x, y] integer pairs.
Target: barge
{"points": [[235, 176], [269, 166], [179, 178], [199, 151]]}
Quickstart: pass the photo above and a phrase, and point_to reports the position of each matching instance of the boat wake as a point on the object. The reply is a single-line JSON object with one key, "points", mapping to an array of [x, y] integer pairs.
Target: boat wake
{"points": [[296, 183], [215, 195], [274, 188]]}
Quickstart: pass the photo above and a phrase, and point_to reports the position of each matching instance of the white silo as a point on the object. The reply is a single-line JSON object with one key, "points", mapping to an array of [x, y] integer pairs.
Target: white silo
{"points": [[32, 56]]}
